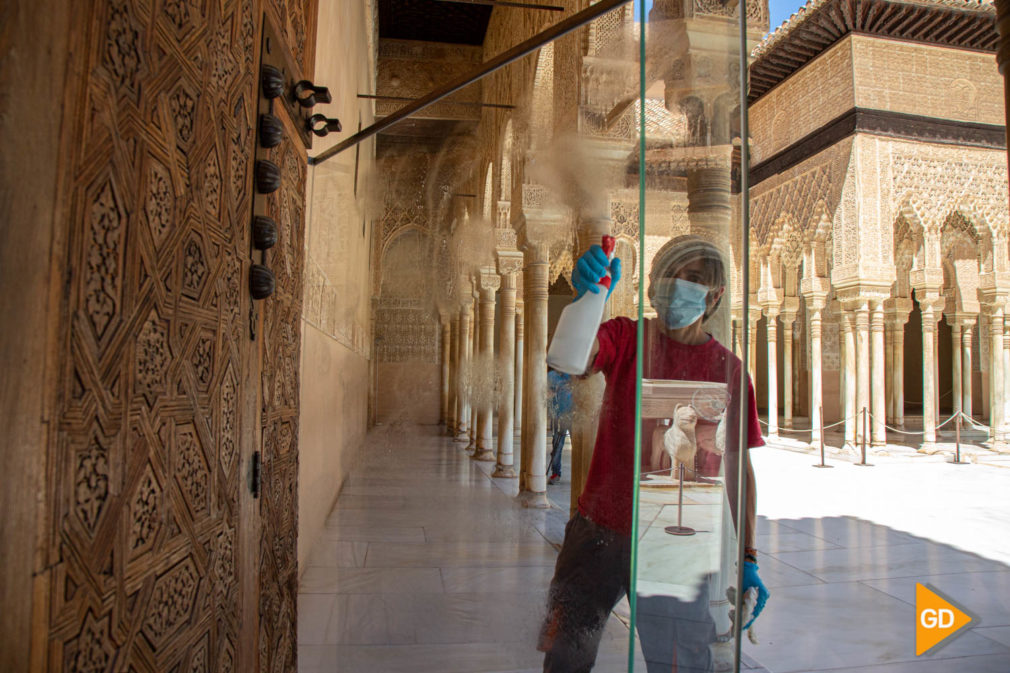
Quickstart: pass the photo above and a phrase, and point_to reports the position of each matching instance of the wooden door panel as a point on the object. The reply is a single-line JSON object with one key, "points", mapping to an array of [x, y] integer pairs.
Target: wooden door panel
{"points": [[148, 543]]}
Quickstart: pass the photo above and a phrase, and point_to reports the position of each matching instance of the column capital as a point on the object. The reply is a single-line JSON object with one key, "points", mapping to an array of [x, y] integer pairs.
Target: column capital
{"points": [[962, 319], [490, 281], [509, 261], [814, 291], [790, 309], [926, 281], [993, 288]]}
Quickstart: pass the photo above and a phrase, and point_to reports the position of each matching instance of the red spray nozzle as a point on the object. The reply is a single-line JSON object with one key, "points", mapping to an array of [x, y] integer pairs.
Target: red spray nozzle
{"points": [[608, 244]]}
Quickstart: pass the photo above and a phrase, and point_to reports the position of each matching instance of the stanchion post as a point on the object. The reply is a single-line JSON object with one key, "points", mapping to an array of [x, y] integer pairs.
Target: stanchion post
{"points": [[957, 446], [822, 463], [862, 462], [680, 529]]}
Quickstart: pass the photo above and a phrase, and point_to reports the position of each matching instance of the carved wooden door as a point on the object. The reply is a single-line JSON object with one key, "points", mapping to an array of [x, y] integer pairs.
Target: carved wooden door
{"points": [[152, 539]]}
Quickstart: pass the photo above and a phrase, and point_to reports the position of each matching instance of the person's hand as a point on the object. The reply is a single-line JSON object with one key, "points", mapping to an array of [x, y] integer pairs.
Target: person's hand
{"points": [[752, 581], [591, 267]]}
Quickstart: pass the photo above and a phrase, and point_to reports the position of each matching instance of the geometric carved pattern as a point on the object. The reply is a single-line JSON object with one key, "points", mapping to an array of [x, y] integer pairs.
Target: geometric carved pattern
{"points": [[147, 467], [91, 485], [172, 602]]}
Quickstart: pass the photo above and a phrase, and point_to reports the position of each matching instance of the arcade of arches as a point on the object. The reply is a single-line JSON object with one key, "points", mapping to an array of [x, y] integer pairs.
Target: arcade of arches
{"points": [[417, 276]]}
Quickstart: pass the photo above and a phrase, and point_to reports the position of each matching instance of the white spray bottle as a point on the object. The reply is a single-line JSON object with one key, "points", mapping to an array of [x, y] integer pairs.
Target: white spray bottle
{"points": [[578, 324]]}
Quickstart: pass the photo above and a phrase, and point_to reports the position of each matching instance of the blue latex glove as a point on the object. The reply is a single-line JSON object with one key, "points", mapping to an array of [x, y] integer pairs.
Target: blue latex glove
{"points": [[750, 581], [591, 267]]}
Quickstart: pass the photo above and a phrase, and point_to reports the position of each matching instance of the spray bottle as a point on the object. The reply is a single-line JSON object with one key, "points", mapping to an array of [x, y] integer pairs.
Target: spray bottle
{"points": [[579, 322]]}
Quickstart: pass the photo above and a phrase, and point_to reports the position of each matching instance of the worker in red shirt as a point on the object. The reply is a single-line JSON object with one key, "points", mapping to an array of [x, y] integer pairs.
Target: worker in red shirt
{"points": [[686, 283]]}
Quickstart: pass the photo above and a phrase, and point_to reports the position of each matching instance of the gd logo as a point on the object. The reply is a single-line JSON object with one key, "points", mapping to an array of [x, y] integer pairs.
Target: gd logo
{"points": [[937, 619]]}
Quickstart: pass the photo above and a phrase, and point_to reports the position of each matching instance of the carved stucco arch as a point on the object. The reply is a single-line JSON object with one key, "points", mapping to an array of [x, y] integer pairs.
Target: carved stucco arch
{"points": [[488, 209], [381, 272], [505, 163], [542, 98]]}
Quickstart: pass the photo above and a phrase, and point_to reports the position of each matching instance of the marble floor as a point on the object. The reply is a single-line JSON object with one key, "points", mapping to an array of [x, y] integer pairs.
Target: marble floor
{"points": [[429, 564]]}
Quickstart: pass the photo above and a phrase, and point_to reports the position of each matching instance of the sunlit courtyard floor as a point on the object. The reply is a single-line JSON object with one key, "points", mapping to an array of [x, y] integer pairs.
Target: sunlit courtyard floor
{"points": [[429, 564]]}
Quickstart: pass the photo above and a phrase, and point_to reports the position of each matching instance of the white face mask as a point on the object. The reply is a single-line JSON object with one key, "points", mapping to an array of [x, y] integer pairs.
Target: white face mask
{"points": [[679, 302]]}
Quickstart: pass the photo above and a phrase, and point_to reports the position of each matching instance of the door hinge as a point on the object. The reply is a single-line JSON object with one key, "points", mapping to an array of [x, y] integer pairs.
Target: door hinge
{"points": [[257, 474]]}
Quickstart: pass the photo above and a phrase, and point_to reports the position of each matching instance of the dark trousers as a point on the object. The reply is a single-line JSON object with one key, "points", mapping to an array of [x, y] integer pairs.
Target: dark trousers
{"points": [[590, 577], [557, 446]]}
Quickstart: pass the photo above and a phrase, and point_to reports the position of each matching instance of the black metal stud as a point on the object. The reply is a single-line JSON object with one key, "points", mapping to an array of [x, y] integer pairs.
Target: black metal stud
{"points": [[271, 130], [308, 94], [268, 176], [271, 81], [321, 125], [261, 282], [264, 232]]}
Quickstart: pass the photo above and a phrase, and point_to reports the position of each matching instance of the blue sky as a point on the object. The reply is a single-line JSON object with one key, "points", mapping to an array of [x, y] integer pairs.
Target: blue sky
{"points": [[779, 9]]}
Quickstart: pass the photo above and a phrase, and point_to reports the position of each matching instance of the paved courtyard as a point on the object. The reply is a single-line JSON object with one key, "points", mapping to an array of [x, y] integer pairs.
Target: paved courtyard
{"points": [[428, 564]]}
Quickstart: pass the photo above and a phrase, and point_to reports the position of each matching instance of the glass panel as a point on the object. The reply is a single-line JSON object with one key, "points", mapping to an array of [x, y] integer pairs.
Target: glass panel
{"points": [[689, 393]]}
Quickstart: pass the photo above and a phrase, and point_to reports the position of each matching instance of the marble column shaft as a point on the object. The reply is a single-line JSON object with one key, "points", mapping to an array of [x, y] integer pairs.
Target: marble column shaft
{"points": [[773, 383], [462, 374], [816, 376], [444, 388], [966, 371], [996, 375], [453, 366], [787, 370], [533, 484], [930, 317], [485, 414], [898, 370], [473, 350], [862, 369], [849, 373], [955, 338], [520, 353], [506, 373], [878, 401]]}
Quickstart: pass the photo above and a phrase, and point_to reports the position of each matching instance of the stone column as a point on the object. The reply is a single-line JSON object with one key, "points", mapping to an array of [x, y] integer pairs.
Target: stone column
{"points": [[996, 373], [862, 320], [450, 426], [489, 284], [773, 382], [506, 365], [955, 338], [896, 311], [815, 292], [533, 481], [931, 314], [446, 357], [878, 374], [752, 338], [520, 353], [473, 347], [966, 370], [846, 321], [788, 319], [462, 374]]}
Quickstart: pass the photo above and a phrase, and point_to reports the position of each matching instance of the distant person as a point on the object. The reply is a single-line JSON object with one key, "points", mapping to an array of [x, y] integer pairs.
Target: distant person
{"points": [[686, 284], [560, 390]]}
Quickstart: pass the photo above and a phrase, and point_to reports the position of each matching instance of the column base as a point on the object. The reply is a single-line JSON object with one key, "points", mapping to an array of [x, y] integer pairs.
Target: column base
{"points": [[928, 448], [484, 455], [877, 444], [533, 500], [461, 437], [788, 424], [471, 446], [504, 472]]}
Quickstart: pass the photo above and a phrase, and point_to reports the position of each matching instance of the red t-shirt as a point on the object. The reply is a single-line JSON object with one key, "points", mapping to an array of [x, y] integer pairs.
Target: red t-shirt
{"points": [[607, 497]]}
